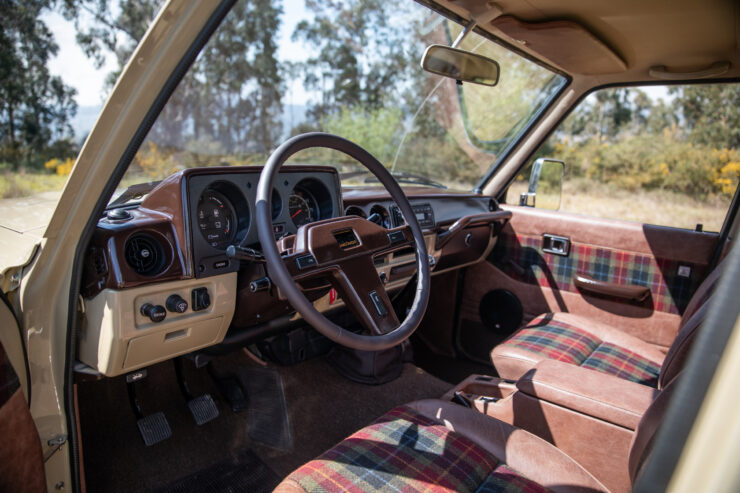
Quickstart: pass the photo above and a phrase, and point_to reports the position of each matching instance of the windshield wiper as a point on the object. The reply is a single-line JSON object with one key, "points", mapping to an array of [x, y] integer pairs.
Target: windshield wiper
{"points": [[133, 193]]}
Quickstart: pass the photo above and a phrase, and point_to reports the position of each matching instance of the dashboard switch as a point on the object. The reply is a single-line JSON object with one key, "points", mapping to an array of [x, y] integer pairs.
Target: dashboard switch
{"points": [[305, 261], [200, 299], [176, 304], [156, 313]]}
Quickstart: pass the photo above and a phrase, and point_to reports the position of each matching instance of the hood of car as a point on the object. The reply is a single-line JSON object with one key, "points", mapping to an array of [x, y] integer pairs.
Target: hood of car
{"points": [[22, 224]]}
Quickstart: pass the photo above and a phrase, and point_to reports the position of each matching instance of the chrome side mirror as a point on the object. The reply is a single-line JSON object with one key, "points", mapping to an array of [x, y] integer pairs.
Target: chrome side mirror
{"points": [[545, 184]]}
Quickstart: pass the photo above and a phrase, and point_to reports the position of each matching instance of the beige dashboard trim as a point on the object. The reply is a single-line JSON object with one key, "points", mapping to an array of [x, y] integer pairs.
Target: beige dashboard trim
{"points": [[116, 338]]}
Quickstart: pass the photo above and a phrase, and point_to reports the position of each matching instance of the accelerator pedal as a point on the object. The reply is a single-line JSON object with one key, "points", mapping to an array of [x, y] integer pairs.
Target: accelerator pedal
{"points": [[203, 408], [153, 428], [230, 389]]}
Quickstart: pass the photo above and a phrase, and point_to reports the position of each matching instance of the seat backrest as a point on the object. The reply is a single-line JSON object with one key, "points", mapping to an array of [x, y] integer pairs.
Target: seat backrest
{"points": [[642, 441], [691, 321]]}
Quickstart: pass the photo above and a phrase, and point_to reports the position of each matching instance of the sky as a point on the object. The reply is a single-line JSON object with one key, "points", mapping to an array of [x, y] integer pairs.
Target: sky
{"points": [[79, 71]]}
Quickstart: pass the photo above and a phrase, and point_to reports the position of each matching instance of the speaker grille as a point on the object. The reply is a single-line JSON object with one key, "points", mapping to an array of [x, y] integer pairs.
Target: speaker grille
{"points": [[144, 254]]}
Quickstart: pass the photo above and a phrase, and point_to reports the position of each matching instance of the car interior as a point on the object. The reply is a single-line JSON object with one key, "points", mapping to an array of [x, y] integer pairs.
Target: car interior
{"points": [[285, 326]]}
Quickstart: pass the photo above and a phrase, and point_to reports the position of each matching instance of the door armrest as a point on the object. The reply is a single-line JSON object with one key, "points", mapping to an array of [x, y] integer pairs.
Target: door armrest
{"points": [[626, 291]]}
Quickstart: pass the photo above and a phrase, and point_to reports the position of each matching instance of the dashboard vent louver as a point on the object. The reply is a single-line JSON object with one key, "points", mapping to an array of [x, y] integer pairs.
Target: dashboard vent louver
{"points": [[144, 254]]}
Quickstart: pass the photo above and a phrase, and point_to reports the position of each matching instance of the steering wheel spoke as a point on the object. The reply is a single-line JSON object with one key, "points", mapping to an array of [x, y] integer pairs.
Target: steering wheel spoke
{"points": [[360, 287]]}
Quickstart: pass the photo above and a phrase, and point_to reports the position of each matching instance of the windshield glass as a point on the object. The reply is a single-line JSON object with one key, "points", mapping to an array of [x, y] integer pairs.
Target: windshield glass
{"points": [[272, 72]]}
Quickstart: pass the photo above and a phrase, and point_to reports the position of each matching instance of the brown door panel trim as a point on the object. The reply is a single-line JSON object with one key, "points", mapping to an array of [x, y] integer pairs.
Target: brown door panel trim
{"points": [[660, 241], [655, 327]]}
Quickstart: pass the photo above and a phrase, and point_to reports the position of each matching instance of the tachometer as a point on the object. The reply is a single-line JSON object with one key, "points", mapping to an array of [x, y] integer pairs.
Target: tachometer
{"points": [[303, 207], [216, 219]]}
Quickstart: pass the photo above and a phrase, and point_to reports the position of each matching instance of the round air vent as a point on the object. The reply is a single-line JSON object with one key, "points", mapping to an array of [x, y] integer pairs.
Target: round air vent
{"points": [[353, 210], [144, 254]]}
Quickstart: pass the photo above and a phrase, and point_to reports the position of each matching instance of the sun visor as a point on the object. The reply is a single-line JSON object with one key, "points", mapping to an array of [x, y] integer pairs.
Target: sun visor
{"points": [[564, 43]]}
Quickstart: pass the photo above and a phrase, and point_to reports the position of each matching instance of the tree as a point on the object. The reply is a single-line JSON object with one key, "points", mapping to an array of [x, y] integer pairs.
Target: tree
{"points": [[232, 94], [362, 56], [35, 107], [711, 113]]}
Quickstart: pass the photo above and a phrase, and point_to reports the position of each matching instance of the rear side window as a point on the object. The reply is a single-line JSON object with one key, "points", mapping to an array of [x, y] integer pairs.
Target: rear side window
{"points": [[666, 155]]}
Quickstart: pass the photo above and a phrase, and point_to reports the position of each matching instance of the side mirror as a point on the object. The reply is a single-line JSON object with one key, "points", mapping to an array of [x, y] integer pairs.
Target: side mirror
{"points": [[545, 184], [460, 65]]}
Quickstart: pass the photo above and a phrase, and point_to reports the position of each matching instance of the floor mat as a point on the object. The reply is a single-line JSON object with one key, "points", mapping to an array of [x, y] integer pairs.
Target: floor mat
{"points": [[267, 414], [243, 473]]}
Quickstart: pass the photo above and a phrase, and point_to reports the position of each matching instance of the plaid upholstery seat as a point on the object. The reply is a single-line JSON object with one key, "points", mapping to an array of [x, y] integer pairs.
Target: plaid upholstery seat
{"points": [[406, 451], [555, 339]]}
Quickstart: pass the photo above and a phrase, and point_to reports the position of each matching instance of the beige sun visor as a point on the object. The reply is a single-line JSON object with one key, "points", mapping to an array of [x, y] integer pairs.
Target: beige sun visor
{"points": [[606, 42]]}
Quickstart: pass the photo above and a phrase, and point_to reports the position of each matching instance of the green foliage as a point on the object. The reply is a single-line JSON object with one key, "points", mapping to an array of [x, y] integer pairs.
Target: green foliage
{"points": [[622, 138], [35, 107], [364, 49], [377, 130]]}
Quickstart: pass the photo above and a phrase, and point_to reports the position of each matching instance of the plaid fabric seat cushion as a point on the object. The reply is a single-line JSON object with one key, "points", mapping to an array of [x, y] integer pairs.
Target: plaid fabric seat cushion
{"points": [[555, 339], [623, 363], [405, 451]]}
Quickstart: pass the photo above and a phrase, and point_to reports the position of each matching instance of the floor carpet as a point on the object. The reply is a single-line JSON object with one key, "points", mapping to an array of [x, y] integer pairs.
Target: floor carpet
{"points": [[322, 408]]}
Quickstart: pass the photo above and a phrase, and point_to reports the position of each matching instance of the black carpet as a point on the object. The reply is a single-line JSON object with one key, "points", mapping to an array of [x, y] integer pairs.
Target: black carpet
{"points": [[243, 473], [322, 408]]}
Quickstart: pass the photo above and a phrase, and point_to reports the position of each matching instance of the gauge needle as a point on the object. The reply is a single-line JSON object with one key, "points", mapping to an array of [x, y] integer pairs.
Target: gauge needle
{"points": [[296, 213]]}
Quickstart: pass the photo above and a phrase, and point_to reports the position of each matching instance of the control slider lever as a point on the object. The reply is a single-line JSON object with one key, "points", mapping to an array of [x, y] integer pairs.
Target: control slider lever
{"points": [[244, 253]]}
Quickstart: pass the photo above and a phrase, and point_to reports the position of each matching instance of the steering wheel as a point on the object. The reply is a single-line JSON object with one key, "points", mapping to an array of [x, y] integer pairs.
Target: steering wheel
{"points": [[342, 249]]}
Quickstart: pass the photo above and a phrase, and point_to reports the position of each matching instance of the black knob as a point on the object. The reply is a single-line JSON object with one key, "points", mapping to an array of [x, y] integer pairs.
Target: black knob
{"points": [[176, 303], [156, 313], [200, 299]]}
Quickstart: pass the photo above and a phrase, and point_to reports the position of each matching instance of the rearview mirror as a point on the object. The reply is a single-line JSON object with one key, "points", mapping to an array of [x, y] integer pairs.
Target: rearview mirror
{"points": [[545, 184], [460, 65]]}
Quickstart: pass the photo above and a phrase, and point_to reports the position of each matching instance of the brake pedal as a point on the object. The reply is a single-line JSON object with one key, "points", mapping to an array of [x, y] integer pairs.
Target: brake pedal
{"points": [[153, 428], [202, 408]]}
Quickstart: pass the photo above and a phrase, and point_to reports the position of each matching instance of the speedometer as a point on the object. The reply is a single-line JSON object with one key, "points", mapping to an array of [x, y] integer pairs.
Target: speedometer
{"points": [[303, 207], [216, 219]]}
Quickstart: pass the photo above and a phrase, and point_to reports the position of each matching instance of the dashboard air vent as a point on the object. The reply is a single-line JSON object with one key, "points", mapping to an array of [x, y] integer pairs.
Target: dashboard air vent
{"points": [[144, 254]]}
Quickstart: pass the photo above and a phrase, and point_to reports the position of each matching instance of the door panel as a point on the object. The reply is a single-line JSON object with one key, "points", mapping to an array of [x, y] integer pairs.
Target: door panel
{"points": [[21, 459], [670, 262]]}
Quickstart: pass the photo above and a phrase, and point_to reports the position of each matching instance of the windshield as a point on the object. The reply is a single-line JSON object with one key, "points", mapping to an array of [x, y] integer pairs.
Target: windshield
{"points": [[352, 70]]}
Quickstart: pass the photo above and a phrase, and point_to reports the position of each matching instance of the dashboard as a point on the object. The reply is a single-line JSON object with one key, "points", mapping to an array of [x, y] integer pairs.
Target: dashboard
{"points": [[158, 283], [223, 210]]}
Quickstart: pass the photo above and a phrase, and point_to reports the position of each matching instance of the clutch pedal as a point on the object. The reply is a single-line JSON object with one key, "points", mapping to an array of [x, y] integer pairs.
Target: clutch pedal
{"points": [[153, 428]]}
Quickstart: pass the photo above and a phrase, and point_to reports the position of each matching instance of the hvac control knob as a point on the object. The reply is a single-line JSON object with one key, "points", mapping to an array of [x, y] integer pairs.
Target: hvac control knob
{"points": [[176, 303], [156, 313]]}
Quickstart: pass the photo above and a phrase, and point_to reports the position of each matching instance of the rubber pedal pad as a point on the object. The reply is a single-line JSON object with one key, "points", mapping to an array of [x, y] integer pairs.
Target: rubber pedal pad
{"points": [[154, 428], [203, 409]]}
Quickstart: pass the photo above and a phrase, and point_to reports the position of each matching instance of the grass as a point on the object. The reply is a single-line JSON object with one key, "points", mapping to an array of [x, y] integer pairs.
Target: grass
{"points": [[24, 184], [660, 207]]}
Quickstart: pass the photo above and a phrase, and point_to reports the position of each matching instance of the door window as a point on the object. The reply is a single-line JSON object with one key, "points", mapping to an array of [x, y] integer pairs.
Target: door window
{"points": [[666, 155]]}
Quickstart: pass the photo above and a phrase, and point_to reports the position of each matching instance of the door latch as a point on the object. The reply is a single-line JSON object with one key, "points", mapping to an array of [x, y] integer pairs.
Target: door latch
{"points": [[557, 245]]}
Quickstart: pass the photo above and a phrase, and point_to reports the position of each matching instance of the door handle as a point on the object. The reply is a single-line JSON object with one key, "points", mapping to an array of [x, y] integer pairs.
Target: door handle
{"points": [[629, 291], [557, 245]]}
